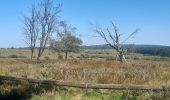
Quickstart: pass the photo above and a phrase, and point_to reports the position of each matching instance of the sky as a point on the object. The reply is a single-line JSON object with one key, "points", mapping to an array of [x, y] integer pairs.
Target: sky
{"points": [[152, 17]]}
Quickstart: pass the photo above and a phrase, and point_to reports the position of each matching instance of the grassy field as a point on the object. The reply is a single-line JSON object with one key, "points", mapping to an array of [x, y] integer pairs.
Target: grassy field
{"points": [[88, 66]]}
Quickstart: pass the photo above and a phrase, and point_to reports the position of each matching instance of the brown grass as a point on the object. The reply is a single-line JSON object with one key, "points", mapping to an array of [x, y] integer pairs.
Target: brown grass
{"points": [[99, 71], [89, 70]]}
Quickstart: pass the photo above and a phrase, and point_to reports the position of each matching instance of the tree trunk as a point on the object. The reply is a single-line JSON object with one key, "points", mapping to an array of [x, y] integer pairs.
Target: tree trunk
{"points": [[31, 54], [38, 59], [39, 54], [121, 57], [66, 52]]}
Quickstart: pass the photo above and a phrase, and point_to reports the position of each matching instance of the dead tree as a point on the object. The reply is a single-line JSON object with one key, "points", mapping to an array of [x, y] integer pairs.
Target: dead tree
{"points": [[41, 25], [113, 40], [31, 30], [47, 18]]}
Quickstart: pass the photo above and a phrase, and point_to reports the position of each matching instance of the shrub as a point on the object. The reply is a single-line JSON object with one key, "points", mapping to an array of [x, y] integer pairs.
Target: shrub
{"points": [[13, 56], [47, 58], [2, 56], [107, 53], [20, 53], [137, 58], [110, 58], [93, 56], [99, 53], [83, 56], [22, 57], [60, 57]]}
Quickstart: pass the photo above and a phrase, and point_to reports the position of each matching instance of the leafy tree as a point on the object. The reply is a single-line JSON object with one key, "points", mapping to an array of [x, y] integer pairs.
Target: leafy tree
{"points": [[67, 41]]}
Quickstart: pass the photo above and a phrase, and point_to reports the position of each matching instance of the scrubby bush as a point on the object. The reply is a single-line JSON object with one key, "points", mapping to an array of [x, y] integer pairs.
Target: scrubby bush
{"points": [[137, 58], [13, 56], [110, 58], [47, 58], [22, 57], [20, 53], [60, 57], [100, 53], [2, 56], [83, 56]]}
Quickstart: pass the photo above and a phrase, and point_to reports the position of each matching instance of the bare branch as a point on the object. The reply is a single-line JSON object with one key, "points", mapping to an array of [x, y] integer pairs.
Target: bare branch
{"points": [[132, 34], [102, 34], [112, 37]]}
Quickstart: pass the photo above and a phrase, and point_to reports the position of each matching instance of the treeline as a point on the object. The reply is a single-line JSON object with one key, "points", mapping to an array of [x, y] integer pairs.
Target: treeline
{"points": [[155, 50]]}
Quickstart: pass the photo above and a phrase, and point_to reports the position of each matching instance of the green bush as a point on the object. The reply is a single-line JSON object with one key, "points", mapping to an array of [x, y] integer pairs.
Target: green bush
{"points": [[13, 56], [2, 56]]}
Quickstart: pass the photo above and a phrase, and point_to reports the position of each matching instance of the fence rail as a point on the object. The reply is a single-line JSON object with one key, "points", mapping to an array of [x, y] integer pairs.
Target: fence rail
{"points": [[89, 85]]}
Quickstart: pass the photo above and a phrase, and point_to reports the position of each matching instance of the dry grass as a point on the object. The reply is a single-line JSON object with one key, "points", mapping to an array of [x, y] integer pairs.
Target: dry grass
{"points": [[88, 70], [91, 71]]}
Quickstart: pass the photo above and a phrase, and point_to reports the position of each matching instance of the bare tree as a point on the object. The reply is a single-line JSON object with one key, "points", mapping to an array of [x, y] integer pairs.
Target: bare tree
{"points": [[113, 39], [67, 41], [48, 16], [41, 25], [31, 30]]}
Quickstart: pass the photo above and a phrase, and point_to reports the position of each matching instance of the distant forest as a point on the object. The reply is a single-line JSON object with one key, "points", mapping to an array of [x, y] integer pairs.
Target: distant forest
{"points": [[156, 50]]}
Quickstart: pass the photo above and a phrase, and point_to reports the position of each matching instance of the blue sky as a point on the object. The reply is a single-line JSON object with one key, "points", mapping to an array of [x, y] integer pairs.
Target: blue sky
{"points": [[151, 16]]}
